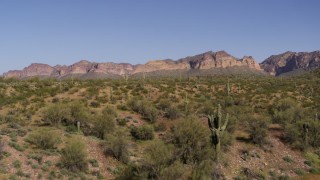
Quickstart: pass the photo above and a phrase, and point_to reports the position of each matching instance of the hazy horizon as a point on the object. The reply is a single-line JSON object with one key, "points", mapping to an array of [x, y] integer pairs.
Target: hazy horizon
{"points": [[65, 32]]}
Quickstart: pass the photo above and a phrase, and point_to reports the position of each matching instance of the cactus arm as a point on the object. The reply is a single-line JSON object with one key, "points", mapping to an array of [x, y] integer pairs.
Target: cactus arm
{"points": [[210, 124], [225, 123]]}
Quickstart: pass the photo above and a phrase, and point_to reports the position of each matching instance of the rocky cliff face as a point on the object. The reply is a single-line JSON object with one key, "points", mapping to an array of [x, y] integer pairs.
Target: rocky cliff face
{"points": [[291, 61], [205, 61]]}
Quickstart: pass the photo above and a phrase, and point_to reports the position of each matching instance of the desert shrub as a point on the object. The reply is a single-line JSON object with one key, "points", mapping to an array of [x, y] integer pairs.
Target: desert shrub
{"points": [[122, 121], [160, 127], [134, 104], [203, 170], [117, 146], [74, 156], [109, 111], [286, 111], [95, 104], [44, 138], [172, 112], [157, 157], [144, 132], [207, 108], [150, 113], [191, 139], [56, 113], [247, 173], [1, 149], [177, 170], [228, 101], [258, 131], [164, 104], [146, 109], [296, 136], [78, 112], [103, 125]]}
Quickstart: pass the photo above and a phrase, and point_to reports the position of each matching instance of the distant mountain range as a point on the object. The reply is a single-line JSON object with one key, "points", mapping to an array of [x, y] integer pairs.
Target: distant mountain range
{"points": [[208, 63]]}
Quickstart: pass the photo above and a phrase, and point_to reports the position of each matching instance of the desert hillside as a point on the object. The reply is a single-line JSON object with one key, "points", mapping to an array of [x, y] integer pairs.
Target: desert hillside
{"points": [[205, 127]]}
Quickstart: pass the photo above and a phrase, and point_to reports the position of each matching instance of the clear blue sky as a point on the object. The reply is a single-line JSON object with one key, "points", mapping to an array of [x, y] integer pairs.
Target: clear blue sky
{"points": [[135, 31]]}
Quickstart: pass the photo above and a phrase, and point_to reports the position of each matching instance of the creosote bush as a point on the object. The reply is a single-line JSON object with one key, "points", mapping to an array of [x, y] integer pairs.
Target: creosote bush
{"points": [[104, 123], [44, 138], [145, 108], [191, 138], [74, 155], [144, 132], [116, 145], [56, 113], [258, 131]]}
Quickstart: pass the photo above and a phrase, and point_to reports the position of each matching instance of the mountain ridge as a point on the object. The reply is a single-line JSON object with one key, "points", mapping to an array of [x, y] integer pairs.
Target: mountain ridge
{"points": [[208, 61], [203, 61]]}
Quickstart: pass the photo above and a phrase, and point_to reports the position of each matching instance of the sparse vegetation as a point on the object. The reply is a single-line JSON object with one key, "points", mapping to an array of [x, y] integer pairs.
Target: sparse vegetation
{"points": [[159, 129]]}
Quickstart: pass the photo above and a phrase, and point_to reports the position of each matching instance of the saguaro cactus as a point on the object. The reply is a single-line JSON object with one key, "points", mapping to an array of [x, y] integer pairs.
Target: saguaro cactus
{"points": [[126, 76], [111, 94], [228, 87], [144, 76], [78, 126], [186, 102], [305, 127], [217, 129]]}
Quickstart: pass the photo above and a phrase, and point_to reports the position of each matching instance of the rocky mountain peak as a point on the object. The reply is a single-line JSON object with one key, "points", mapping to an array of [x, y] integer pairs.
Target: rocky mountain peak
{"points": [[291, 61]]}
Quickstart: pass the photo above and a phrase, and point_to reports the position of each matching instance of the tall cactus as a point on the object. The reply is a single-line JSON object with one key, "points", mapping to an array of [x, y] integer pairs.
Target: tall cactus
{"points": [[217, 129], [78, 126], [228, 87], [186, 102], [111, 94], [126, 77], [144, 76], [306, 127]]}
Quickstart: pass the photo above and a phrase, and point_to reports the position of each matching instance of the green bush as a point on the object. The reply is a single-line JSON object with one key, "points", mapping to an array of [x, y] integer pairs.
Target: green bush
{"points": [[172, 112], [146, 109], [144, 132], [56, 113], [191, 139], [78, 112], [157, 157], [161, 127], [1, 149], [44, 138], [258, 131], [103, 125], [287, 111], [175, 171], [117, 146], [74, 156]]}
